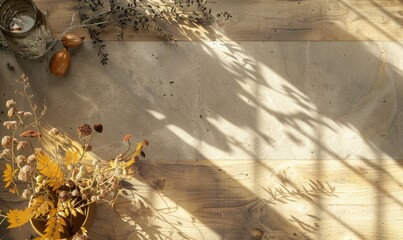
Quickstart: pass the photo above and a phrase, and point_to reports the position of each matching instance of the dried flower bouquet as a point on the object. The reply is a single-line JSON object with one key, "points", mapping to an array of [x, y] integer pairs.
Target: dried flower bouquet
{"points": [[58, 175]]}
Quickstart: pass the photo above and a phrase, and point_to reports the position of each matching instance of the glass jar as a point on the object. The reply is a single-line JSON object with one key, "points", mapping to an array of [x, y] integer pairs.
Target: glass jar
{"points": [[25, 28]]}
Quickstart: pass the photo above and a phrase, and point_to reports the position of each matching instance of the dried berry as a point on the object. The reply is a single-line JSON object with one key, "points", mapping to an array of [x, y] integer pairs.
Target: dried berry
{"points": [[60, 62], [98, 127]]}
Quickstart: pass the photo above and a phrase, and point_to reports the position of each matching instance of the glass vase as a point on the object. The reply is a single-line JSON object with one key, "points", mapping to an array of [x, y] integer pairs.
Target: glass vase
{"points": [[25, 28]]}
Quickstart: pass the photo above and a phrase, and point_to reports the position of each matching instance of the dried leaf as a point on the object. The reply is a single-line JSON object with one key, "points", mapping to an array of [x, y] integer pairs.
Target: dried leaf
{"points": [[8, 175], [30, 133], [50, 169], [71, 158], [18, 217], [40, 206]]}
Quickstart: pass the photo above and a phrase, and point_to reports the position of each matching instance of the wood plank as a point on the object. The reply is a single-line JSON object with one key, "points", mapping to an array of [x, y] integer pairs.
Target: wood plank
{"points": [[285, 199], [271, 20]]}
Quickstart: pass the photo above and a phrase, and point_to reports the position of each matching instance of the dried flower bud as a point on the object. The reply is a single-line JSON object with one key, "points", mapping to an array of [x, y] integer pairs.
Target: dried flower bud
{"points": [[72, 40], [93, 198], [127, 138], [27, 114], [10, 124], [21, 145], [11, 112], [64, 196], [60, 62], [26, 173], [26, 193], [54, 131], [79, 176], [20, 159], [118, 171], [84, 130], [98, 127], [39, 179], [6, 140], [74, 193], [99, 179], [31, 158], [20, 113], [87, 147], [10, 103], [79, 236], [70, 183], [6, 152]]}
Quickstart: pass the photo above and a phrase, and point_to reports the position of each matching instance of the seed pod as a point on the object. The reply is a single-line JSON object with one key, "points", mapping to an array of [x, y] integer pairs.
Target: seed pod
{"points": [[60, 62], [72, 40], [98, 127]]}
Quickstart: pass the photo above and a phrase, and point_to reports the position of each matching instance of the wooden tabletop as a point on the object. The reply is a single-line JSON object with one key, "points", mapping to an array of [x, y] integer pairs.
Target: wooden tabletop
{"points": [[290, 139], [273, 20]]}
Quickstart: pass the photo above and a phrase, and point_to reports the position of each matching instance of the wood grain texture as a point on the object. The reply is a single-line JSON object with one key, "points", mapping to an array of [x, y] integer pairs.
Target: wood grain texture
{"points": [[272, 20], [284, 199], [304, 199]]}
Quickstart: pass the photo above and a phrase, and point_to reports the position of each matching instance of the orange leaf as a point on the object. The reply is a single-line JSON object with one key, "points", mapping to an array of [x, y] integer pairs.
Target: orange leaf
{"points": [[30, 133]]}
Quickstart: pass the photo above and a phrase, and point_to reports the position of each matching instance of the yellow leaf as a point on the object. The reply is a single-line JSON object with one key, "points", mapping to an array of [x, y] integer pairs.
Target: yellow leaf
{"points": [[61, 221], [50, 169], [8, 175], [71, 158], [83, 230], [78, 209], [53, 225], [40, 206], [18, 217]]}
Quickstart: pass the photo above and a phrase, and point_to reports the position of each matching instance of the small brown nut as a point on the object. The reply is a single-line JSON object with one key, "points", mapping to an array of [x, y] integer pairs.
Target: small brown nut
{"points": [[60, 62], [72, 40]]}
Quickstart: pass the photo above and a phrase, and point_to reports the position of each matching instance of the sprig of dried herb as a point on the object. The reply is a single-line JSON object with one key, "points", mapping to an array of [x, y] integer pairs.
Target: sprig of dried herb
{"points": [[96, 15]]}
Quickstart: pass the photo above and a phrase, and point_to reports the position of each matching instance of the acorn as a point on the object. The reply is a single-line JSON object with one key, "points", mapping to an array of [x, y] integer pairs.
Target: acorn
{"points": [[60, 62], [72, 40]]}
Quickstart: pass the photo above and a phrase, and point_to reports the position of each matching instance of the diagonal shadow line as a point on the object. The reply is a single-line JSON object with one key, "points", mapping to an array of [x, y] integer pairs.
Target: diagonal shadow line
{"points": [[239, 186], [358, 173], [370, 22], [382, 170]]}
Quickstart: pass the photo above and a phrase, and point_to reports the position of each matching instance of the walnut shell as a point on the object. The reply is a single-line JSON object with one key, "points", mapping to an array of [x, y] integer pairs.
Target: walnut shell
{"points": [[72, 40], [60, 62]]}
